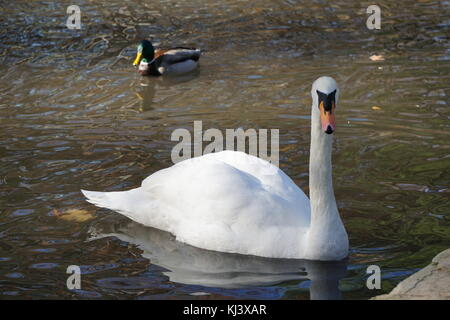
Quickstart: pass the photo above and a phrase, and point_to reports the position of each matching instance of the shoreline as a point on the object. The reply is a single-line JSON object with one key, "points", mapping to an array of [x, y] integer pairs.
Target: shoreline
{"points": [[430, 283]]}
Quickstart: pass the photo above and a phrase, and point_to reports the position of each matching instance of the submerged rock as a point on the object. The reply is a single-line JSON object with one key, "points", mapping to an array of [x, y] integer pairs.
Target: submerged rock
{"points": [[432, 282]]}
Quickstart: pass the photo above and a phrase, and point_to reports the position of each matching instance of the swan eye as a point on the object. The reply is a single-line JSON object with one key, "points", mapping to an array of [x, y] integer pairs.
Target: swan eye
{"points": [[328, 100]]}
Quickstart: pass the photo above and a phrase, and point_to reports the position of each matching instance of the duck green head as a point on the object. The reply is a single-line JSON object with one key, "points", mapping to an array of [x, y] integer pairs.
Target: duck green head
{"points": [[146, 51]]}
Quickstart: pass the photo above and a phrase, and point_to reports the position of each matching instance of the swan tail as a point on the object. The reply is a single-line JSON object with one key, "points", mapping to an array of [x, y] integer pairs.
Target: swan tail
{"points": [[130, 203], [99, 199]]}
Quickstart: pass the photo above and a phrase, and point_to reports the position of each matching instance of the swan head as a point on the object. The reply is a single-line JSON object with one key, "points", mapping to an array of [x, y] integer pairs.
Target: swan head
{"points": [[325, 94]]}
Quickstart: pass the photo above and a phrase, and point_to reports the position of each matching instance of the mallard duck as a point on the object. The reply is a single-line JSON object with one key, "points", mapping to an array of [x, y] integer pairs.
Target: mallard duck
{"points": [[158, 62]]}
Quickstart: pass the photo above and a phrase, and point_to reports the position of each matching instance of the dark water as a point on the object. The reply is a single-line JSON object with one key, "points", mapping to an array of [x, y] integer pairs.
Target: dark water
{"points": [[74, 114]]}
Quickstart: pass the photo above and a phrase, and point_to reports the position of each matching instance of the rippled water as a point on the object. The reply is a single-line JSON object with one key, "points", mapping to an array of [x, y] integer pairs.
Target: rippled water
{"points": [[74, 114]]}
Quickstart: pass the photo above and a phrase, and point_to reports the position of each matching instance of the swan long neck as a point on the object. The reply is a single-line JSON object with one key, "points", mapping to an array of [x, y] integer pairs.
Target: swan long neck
{"points": [[323, 202], [326, 235]]}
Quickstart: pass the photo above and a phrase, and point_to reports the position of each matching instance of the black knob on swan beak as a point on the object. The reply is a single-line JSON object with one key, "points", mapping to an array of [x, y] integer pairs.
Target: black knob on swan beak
{"points": [[329, 130]]}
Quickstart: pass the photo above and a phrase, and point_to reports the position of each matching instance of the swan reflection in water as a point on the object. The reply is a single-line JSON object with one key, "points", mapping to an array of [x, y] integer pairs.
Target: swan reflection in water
{"points": [[193, 266]]}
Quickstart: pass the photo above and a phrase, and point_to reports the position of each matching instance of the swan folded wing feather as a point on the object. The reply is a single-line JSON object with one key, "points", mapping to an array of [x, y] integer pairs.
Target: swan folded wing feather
{"points": [[273, 179], [197, 186], [213, 205], [226, 179]]}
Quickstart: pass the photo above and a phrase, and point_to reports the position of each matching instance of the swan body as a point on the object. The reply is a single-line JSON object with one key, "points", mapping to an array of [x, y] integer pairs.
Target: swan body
{"points": [[237, 203], [226, 201], [172, 61]]}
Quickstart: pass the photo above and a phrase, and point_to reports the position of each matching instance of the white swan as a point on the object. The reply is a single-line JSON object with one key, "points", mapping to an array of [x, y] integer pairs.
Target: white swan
{"points": [[233, 202]]}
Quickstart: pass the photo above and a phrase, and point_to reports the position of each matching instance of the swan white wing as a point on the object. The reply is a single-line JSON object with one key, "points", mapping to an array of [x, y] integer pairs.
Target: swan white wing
{"points": [[228, 201], [273, 178]]}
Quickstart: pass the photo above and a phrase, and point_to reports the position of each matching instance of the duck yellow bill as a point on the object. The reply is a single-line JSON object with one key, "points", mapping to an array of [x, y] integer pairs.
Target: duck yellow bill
{"points": [[138, 59], [327, 119]]}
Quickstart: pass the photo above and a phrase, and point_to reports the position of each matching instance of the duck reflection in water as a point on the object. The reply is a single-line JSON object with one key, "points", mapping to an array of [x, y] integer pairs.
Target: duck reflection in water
{"points": [[193, 266], [147, 87]]}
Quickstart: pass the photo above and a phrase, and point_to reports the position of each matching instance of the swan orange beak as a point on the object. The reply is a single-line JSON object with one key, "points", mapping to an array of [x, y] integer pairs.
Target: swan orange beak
{"points": [[327, 118]]}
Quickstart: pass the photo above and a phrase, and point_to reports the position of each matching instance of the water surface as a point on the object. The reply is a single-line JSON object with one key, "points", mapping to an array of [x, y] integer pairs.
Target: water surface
{"points": [[74, 114]]}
